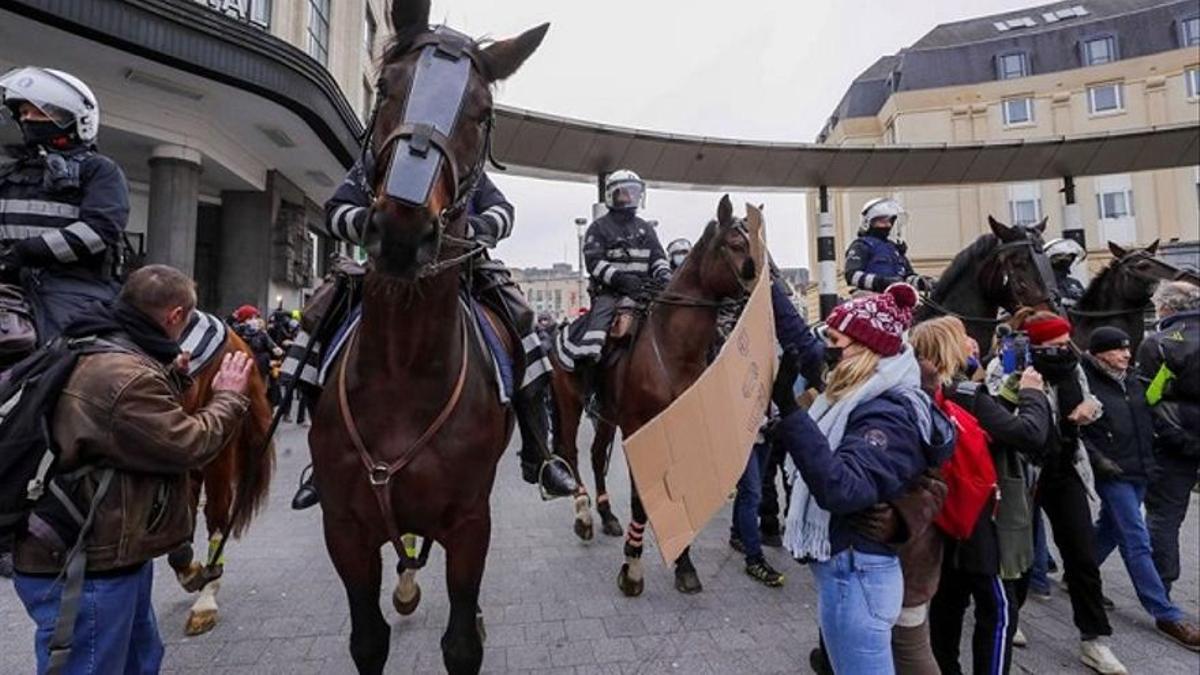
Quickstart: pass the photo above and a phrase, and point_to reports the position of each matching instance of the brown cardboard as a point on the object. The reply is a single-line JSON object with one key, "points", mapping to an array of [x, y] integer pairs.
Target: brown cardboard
{"points": [[686, 460]]}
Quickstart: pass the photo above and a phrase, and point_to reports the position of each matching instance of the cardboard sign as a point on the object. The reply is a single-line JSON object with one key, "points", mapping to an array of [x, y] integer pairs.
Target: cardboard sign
{"points": [[686, 460]]}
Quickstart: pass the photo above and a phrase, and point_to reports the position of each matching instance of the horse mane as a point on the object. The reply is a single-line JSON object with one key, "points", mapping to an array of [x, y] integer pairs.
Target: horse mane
{"points": [[1093, 294], [962, 263]]}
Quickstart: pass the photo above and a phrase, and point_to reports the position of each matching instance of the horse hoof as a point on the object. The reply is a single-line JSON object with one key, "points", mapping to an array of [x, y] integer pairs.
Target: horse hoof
{"points": [[611, 526], [630, 587], [688, 582], [584, 529], [200, 621], [406, 607]]}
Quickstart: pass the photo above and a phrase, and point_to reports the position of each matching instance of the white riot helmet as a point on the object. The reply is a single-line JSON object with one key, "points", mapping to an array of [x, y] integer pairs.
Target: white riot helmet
{"points": [[1062, 247], [677, 251], [883, 207], [62, 97], [624, 190]]}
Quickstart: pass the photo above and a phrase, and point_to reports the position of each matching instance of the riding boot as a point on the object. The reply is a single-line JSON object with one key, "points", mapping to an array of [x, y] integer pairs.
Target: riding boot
{"points": [[306, 495], [538, 465]]}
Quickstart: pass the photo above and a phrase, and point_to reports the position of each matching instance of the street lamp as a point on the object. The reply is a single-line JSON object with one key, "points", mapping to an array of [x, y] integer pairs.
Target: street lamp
{"points": [[581, 223]]}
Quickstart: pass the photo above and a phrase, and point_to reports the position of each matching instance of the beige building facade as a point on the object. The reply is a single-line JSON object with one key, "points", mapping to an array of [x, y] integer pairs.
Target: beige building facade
{"points": [[1096, 67]]}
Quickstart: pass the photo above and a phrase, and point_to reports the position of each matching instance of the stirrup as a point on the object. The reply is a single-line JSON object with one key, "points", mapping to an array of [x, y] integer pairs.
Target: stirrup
{"points": [[541, 483]]}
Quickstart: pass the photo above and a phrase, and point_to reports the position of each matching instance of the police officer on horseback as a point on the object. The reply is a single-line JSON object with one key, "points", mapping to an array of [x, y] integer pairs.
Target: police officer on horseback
{"points": [[489, 219], [622, 254], [876, 259], [1063, 254], [677, 252], [63, 205]]}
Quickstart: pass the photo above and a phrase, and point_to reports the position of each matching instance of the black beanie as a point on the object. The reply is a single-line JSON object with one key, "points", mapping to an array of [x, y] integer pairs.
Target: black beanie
{"points": [[1105, 338]]}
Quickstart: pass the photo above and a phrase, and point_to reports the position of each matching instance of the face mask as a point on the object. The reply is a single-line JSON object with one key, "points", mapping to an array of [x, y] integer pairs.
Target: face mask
{"points": [[41, 133], [677, 260], [1054, 363], [833, 356]]}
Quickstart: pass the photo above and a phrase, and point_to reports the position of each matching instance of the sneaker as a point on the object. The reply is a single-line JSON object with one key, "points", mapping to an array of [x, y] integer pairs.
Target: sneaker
{"points": [[1040, 593], [1185, 633], [1096, 655], [1019, 639], [763, 573], [736, 544]]}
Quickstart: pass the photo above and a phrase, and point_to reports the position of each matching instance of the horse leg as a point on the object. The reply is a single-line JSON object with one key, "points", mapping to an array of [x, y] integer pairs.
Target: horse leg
{"points": [[407, 595], [567, 413], [631, 580], [361, 570], [686, 579], [218, 491], [466, 554], [601, 447]]}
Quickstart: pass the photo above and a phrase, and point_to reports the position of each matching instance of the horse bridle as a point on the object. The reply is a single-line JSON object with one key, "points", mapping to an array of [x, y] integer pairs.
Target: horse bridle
{"points": [[1110, 313], [681, 300], [1040, 262], [420, 144]]}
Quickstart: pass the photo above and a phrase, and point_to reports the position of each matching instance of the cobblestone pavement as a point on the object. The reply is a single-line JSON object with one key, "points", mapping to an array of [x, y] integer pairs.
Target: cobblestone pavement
{"points": [[551, 604]]}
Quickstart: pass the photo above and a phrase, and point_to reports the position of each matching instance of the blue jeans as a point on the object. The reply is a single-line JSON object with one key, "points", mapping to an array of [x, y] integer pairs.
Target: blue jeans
{"points": [[115, 632], [745, 504], [1038, 574], [1121, 525], [858, 601]]}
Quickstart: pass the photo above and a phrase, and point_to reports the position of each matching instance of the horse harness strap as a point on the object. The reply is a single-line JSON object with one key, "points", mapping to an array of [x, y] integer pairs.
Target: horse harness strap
{"points": [[379, 474]]}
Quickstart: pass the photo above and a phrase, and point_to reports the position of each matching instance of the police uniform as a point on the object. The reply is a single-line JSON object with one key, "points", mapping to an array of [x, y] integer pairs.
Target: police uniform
{"points": [[620, 251], [874, 262], [1069, 288], [63, 213]]}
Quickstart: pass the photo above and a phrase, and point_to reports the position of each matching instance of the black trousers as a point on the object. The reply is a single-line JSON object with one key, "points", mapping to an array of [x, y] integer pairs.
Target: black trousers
{"points": [[1063, 499], [996, 610], [1167, 499]]}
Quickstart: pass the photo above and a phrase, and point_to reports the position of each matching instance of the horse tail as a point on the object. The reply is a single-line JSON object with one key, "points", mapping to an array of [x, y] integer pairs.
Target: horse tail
{"points": [[254, 457]]}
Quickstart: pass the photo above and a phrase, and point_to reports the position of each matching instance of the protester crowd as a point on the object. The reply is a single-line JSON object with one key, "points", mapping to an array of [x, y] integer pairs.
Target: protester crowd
{"points": [[913, 479]]}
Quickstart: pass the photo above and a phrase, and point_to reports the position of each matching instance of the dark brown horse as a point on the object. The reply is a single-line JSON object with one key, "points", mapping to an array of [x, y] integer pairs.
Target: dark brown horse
{"points": [[408, 437], [241, 472], [669, 352], [1005, 269], [1120, 295]]}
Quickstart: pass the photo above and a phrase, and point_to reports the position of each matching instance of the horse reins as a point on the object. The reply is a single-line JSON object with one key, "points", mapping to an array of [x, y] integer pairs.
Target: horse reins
{"points": [[1045, 276], [380, 474]]}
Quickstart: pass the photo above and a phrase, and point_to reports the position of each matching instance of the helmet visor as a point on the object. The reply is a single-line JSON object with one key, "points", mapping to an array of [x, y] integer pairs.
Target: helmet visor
{"points": [[626, 195], [48, 95]]}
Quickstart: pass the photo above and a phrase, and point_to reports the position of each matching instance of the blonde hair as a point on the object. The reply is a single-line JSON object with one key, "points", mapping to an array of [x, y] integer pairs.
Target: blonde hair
{"points": [[850, 373], [940, 342]]}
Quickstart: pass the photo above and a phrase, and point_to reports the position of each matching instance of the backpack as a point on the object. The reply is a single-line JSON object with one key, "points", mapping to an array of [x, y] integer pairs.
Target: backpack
{"points": [[970, 473]]}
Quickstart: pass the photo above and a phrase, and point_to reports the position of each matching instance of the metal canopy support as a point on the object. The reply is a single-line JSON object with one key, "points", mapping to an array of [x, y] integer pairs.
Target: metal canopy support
{"points": [[826, 254], [1073, 227]]}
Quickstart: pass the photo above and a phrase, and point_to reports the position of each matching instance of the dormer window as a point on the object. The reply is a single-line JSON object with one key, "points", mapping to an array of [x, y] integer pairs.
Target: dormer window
{"points": [[1189, 32], [1099, 50], [1009, 66]]}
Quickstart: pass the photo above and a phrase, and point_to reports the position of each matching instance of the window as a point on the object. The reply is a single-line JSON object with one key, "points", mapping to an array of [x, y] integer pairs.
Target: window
{"points": [[1018, 111], [318, 30], [1191, 77], [558, 299], [1105, 98], [1009, 66], [1024, 203], [1189, 32], [370, 30], [1114, 206], [1099, 50], [260, 13]]}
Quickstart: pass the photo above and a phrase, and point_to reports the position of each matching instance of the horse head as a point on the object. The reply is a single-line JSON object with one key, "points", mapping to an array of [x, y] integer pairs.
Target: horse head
{"points": [[1138, 272], [429, 139], [1016, 273], [724, 262]]}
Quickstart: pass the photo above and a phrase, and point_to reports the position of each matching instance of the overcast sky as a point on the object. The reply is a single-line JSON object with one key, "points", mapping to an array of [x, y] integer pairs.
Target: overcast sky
{"points": [[754, 69]]}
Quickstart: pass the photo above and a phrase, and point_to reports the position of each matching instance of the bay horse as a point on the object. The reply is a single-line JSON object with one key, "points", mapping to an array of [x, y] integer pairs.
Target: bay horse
{"points": [[408, 439], [669, 352], [241, 473], [1120, 295], [1004, 269]]}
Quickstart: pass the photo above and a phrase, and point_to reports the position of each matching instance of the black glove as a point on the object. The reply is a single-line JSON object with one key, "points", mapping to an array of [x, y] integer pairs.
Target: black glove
{"points": [[1105, 468], [922, 283], [627, 284], [782, 394]]}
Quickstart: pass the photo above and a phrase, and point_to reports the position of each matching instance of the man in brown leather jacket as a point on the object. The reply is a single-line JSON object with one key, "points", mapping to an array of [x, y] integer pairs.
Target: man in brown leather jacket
{"points": [[122, 410]]}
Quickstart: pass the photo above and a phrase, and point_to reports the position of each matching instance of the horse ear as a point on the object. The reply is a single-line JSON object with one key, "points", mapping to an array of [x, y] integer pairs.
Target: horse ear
{"points": [[1041, 226], [505, 57], [1116, 250], [409, 14], [725, 211], [1004, 232], [1152, 249]]}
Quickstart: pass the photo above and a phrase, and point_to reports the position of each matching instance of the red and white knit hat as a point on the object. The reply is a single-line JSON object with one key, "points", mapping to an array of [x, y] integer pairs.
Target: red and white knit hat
{"points": [[877, 321]]}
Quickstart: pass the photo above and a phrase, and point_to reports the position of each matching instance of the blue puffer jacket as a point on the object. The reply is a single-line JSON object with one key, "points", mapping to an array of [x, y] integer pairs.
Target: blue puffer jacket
{"points": [[887, 444]]}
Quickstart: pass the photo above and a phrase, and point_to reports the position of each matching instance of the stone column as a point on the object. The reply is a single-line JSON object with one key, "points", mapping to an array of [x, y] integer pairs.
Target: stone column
{"points": [[174, 198]]}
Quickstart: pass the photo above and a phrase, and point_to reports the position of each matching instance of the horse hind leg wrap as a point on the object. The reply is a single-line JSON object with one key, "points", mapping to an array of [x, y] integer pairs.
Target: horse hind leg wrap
{"points": [[634, 540]]}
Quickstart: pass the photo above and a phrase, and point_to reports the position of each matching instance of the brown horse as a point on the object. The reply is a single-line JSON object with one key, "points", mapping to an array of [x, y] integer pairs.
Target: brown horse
{"points": [[668, 354], [408, 438], [239, 473]]}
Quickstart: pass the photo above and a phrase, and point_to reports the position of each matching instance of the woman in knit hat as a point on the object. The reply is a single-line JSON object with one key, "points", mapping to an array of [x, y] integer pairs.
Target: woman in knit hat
{"points": [[864, 441]]}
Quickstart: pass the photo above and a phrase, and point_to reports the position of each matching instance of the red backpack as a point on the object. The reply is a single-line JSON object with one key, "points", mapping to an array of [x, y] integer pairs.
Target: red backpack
{"points": [[970, 474]]}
